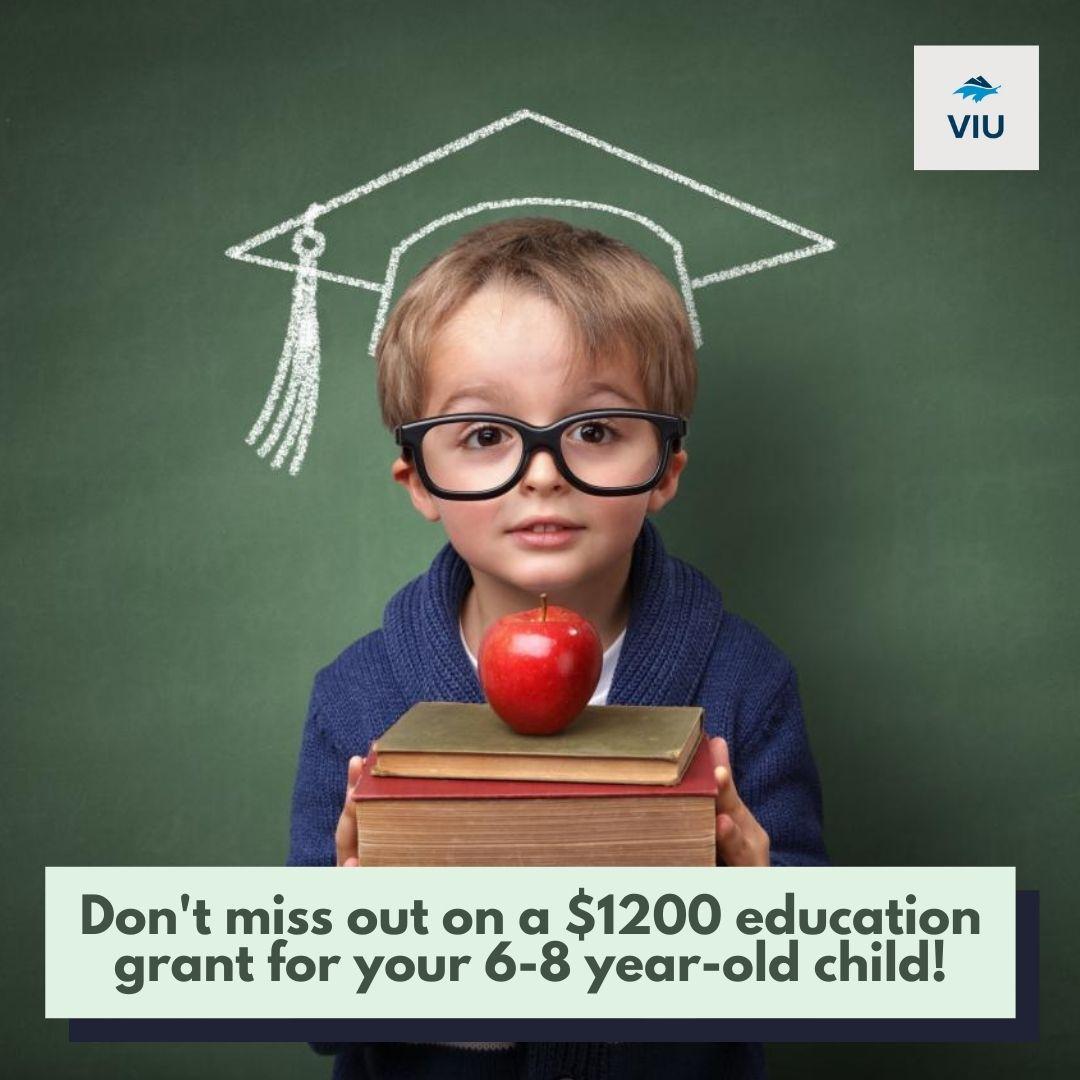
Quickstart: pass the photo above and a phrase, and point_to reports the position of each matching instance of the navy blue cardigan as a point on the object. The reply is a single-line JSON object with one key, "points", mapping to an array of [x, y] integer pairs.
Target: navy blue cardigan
{"points": [[681, 648]]}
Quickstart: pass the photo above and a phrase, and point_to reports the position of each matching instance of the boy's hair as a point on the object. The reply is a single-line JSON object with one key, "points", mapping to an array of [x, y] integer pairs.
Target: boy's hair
{"points": [[611, 296]]}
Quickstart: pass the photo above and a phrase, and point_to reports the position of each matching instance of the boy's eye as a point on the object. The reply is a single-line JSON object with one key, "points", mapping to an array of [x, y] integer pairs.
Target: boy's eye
{"points": [[595, 432], [487, 435]]}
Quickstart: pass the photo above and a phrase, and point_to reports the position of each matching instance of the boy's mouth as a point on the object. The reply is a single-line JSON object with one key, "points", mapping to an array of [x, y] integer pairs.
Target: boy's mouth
{"points": [[545, 532], [545, 525]]}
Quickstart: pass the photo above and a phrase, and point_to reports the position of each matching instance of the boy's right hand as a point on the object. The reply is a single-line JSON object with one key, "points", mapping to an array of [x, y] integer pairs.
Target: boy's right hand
{"points": [[346, 836]]}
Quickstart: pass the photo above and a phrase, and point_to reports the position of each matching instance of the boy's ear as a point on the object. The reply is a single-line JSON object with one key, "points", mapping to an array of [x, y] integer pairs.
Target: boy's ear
{"points": [[664, 492], [404, 472]]}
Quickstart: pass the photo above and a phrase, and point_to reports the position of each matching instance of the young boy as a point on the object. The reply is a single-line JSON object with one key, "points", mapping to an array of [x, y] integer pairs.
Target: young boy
{"points": [[529, 322]]}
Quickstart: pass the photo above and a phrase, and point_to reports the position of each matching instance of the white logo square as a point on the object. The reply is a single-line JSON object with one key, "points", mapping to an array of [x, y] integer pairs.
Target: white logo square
{"points": [[977, 107]]}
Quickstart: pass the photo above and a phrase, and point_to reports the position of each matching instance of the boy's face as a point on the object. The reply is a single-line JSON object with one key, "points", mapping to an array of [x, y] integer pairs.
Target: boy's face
{"points": [[511, 351]]}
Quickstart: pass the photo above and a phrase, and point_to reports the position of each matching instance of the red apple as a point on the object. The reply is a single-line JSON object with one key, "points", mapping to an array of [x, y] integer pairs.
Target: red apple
{"points": [[539, 667]]}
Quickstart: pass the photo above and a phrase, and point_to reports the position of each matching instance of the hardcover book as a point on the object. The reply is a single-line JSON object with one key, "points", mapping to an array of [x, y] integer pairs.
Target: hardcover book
{"points": [[411, 821], [613, 744]]}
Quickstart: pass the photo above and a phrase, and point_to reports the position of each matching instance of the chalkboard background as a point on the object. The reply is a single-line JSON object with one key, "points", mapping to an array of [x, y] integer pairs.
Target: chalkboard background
{"points": [[883, 458]]}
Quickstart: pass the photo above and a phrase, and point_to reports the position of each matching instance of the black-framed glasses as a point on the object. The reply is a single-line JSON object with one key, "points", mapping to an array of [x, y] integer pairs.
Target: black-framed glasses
{"points": [[483, 455]]}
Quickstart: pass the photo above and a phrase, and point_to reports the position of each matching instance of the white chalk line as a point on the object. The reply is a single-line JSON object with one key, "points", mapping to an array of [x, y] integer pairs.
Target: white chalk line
{"points": [[679, 178], [763, 264], [239, 251], [539, 200], [242, 251], [299, 361], [326, 275]]}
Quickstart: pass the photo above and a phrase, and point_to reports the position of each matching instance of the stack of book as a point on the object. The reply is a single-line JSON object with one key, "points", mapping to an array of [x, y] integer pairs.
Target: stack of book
{"points": [[449, 784]]}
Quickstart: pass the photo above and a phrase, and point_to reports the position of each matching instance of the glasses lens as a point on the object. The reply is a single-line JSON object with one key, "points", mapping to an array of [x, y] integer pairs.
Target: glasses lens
{"points": [[603, 451], [472, 455], [613, 451]]}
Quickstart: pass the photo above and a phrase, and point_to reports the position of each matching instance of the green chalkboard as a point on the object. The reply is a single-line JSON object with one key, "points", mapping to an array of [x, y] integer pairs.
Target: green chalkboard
{"points": [[883, 455]]}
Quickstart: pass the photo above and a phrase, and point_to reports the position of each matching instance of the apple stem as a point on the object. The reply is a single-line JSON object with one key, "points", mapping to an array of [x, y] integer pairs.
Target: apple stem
{"points": [[543, 607]]}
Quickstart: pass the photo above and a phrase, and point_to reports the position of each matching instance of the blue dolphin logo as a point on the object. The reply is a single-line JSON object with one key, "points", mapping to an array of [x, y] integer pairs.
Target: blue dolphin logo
{"points": [[977, 87]]}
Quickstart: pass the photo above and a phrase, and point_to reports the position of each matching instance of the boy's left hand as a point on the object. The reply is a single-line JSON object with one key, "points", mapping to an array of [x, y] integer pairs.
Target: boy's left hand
{"points": [[740, 840]]}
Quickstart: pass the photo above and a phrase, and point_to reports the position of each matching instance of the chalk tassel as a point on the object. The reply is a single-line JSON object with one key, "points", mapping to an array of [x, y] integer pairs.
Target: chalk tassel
{"points": [[298, 367]]}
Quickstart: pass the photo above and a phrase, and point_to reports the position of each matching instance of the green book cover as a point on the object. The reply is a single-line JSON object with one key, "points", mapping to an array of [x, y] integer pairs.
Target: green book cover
{"points": [[645, 732]]}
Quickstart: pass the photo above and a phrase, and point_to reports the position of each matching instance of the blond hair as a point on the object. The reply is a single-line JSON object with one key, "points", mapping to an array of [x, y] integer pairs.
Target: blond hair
{"points": [[612, 297]]}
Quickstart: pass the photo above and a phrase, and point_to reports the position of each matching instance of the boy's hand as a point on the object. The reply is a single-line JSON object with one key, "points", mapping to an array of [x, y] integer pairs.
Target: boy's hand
{"points": [[740, 840], [346, 836]]}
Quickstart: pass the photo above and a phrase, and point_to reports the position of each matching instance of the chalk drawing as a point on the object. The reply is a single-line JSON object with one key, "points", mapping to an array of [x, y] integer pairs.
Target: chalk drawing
{"points": [[298, 368], [479, 208], [299, 361]]}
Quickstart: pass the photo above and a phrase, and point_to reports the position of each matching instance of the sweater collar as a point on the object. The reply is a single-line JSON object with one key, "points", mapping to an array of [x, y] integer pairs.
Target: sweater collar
{"points": [[675, 614]]}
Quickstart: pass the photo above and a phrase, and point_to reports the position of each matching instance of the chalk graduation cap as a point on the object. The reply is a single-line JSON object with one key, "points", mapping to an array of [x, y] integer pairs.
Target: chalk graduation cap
{"points": [[524, 164]]}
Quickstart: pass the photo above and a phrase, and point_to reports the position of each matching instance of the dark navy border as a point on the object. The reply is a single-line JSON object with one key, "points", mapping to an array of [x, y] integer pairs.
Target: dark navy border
{"points": [[1024, 1028]]}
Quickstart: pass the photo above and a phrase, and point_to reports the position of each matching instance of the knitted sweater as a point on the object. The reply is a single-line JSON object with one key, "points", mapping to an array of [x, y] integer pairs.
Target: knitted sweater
{"points": [[681, 648]]}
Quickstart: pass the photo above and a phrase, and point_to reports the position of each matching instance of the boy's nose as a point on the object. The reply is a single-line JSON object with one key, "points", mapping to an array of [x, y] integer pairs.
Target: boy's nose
{"points": [[542, 472]]}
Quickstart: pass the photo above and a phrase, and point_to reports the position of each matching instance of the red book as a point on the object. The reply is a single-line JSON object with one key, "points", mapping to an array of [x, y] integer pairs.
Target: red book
{"points": [[410, 821]]}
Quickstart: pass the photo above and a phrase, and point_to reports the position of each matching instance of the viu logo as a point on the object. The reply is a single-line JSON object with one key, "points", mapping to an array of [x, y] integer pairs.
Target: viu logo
{"points": [[977, 88]]}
